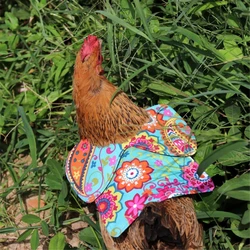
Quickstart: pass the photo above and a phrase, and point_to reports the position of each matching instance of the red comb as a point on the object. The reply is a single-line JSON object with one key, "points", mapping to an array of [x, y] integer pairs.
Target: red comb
{"points": [[90, 39], [90, 44]]}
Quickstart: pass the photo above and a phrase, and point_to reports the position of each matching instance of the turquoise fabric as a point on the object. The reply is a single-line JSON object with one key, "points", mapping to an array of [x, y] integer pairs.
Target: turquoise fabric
{"points": [[153, 166]]}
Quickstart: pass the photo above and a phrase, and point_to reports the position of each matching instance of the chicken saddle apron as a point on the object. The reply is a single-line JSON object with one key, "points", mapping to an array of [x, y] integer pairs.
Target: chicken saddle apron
{"points": [[153, 166]]}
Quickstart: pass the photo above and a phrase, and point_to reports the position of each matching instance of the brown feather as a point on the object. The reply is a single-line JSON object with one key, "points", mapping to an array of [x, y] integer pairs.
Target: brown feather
{"points": [[101, 121], [170, 224]]}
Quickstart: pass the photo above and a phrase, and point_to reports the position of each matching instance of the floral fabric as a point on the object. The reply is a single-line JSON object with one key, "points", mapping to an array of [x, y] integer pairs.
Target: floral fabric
{"points": [[153, 166]]}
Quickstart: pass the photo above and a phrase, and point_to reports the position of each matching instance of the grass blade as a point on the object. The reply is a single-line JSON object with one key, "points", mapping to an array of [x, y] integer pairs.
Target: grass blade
{"points": [[123, 23], [140, 12], [219, 152], [31, 141], [217, 214], [132, 76]]}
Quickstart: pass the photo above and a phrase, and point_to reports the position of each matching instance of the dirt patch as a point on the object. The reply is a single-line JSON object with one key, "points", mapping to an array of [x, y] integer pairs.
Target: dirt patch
{"points": [[15, 205]]}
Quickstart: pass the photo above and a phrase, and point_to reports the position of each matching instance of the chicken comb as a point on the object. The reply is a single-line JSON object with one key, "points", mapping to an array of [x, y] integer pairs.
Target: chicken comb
{"points": [[89, 45]]}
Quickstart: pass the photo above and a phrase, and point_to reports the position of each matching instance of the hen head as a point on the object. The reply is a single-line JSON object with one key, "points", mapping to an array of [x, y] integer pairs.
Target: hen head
{"points": [[91, 50]]}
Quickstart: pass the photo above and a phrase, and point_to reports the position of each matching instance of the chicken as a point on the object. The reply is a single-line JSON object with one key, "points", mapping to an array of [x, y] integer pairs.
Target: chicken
{"points": [[131, 161]]}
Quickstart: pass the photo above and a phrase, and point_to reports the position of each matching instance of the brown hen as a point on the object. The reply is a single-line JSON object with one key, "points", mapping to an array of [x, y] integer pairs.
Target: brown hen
{"points": [[170, 224]]}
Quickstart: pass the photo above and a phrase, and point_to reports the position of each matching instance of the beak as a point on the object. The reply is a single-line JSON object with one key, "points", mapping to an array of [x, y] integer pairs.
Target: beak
{"points": [[100, 41]]}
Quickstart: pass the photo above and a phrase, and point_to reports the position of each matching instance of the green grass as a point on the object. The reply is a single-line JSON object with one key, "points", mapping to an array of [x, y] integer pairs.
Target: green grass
{"points": [[192, 55]]}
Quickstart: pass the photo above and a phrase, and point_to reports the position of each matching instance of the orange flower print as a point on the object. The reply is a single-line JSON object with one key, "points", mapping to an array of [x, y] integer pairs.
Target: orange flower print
{"points": [[156, 122], [133, 174]]}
